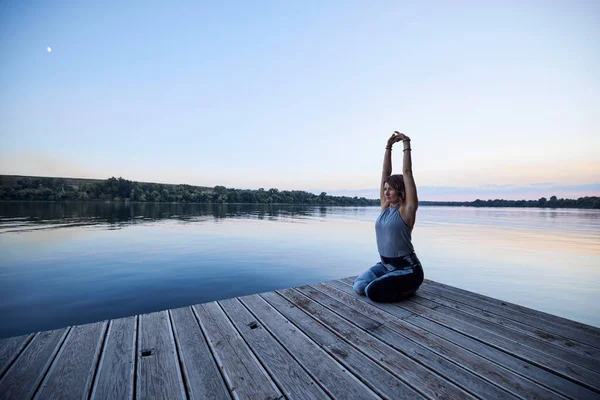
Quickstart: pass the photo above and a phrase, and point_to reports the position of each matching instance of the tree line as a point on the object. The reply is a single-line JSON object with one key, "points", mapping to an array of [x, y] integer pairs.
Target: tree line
{"points": [[15, 188], [119, 189], [553, 202]]}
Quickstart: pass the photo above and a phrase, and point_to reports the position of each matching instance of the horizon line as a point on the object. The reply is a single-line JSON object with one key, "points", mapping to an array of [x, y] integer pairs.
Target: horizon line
{"points": [[331, 192]]}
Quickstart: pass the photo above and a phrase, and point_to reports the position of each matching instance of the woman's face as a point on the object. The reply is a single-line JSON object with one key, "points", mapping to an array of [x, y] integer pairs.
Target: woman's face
{"points": [[391, 195]]}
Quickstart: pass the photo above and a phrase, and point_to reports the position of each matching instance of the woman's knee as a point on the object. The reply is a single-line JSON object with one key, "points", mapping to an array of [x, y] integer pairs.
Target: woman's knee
{"points": [[359, 286], [379, 295], [363, 280], [394, 286]]}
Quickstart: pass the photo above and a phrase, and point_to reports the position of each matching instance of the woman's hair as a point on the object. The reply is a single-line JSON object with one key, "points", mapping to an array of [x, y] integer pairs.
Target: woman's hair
{"points": [[396, 182]]}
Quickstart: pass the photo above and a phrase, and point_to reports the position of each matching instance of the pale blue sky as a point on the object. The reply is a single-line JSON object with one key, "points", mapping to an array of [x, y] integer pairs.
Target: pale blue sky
{"points": [[303, 95]]}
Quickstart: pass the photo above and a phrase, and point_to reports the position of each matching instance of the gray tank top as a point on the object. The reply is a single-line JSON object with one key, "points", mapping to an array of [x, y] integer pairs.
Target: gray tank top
{"points": [[392, 233]]}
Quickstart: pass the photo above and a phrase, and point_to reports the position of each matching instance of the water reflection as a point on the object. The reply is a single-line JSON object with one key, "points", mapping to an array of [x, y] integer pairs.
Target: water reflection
{"points": [[20, 216], [71, 263]]}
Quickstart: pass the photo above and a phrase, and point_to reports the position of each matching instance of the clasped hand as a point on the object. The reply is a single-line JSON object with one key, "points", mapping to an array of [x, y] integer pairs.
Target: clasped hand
{"points": [[397, 137]]}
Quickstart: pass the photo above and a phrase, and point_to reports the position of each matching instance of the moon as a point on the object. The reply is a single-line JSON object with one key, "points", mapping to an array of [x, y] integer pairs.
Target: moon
{"points": [[49, 49]]}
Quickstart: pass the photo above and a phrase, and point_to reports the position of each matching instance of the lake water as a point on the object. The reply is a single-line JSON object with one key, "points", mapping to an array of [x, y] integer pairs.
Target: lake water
{"points": [[66, 264]]}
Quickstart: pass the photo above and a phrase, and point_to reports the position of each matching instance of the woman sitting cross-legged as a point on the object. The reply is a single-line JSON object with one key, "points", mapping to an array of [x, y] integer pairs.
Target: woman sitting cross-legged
{"points": [[399, 273]]}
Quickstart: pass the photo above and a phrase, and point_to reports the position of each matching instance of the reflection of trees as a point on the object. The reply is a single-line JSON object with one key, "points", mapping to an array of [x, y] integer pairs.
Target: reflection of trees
{"points": [[322, 211], [15, 214]]}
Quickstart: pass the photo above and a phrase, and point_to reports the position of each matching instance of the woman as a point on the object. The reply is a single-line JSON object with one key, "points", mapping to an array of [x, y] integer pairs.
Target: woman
{"points": [[399, 273]]}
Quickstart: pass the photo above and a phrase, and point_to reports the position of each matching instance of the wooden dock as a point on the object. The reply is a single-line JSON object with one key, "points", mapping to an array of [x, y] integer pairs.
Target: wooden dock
{"points": [[313, 342]]}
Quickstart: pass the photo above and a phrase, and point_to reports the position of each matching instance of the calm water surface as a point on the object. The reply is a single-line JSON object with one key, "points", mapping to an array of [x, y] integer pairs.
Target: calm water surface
{"points": [[66, 264]]}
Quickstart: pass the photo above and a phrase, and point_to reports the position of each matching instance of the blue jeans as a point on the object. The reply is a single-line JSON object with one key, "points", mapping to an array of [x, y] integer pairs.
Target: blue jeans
{"points": [[391, 279]]}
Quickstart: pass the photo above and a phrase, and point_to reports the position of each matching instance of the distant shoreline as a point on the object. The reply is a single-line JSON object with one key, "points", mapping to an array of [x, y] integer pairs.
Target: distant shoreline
{"points": [[15, 188], [421, 204]]}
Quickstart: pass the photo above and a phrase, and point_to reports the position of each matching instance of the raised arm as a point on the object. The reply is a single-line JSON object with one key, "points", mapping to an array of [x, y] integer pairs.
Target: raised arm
{"points": [[411, 202], [387, 166]]}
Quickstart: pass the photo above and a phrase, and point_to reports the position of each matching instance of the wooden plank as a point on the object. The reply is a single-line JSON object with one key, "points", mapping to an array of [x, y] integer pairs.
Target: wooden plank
{"points": [[283, 368], [556, 340], [539, 375], [535, 314], [243, 373], [201, 373], [576, 360], [463, 378], [71, 374], [114, 379], [579, 374], [506, 379], [390, 308], [426, 301], [348, 281], [10, 348], [467, 380], [542, 328], [338, 367], [158, 375], [459, 335], [23, 378], [524, 368], [425, 380]]}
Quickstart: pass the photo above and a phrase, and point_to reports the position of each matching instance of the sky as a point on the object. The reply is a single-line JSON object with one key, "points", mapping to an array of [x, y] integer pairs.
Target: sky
{"points": [[500, 98]]}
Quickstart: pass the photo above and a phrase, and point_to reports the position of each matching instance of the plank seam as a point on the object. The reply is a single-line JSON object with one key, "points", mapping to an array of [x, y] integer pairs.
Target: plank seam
{"points": [[59, 349], [184, 376], [135, 359], [100, 359], [279, 387], [427, 300], [172, 334], [214, 355], [18, 353]]}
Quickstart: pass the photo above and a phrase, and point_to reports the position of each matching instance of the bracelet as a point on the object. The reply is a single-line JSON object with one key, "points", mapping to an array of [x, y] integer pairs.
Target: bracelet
{"points": [[388, 147], [407, 150]]}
